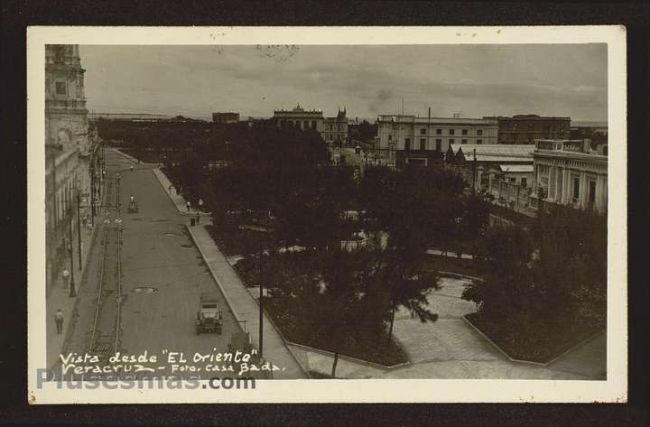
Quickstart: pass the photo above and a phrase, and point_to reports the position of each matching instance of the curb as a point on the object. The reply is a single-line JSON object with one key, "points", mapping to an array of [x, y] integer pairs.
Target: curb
{"points": [[351, 358], [232, 309], [180, 211], [131, 158], [529, 362], [459, 276], [272, 322], [213, 274]]}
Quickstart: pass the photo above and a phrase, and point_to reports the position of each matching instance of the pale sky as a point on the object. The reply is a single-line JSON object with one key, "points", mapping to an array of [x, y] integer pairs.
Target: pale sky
{"points": [[475, 80]]}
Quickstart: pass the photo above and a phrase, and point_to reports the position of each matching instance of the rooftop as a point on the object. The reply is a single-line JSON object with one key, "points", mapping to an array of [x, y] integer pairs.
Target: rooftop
{"points": [[495, 150], [298, 109], [517, 168], [579, 146], [434, 120], [527, 117]]}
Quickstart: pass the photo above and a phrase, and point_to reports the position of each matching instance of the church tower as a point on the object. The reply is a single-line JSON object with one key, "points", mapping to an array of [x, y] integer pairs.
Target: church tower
{"points": [[66, 116], [67, 156]]}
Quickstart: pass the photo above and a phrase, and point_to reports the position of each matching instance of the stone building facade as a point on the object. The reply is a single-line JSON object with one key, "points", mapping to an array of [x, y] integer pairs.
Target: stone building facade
{"points": [[299, 118], [225, 118], [331, 129], [568, 172], [67, 151], [526, 128], [425, 139], [335, 129]]}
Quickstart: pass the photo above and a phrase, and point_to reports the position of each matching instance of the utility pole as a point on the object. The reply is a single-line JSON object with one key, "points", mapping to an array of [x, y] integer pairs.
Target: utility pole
{"points": [[261, 304], [92, 190], [474, 173], [79, 227], [73, 292], [55, 208]]}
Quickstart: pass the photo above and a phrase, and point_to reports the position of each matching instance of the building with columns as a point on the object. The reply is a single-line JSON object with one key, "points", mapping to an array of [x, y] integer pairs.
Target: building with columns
{"points": [[331, 129], [569, 172], [68, 149], [299, 118]]}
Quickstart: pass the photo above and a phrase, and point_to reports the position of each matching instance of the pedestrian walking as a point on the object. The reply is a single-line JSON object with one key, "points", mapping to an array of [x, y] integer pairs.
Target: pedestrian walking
{"points": [[198, 218], [170, 188], [58, 318], [66, 278], [188, 205]]}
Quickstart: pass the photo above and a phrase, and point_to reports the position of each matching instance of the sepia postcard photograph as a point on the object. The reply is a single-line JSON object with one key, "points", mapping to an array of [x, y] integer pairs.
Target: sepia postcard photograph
{"points": [[327, 214]]}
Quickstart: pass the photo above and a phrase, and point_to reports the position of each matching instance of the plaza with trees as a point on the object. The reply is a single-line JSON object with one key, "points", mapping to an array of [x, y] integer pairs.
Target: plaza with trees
{"points": [[278, 201]]}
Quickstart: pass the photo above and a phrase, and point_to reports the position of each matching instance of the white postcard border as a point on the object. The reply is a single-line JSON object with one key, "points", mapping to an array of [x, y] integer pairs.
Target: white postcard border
{"points": [[614, 389]]}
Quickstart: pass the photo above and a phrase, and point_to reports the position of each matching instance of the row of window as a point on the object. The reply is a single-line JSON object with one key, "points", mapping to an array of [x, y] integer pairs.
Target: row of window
{"points": [[423, 131], [479, 132], [451, 141], [423, 143], [305, 123]]}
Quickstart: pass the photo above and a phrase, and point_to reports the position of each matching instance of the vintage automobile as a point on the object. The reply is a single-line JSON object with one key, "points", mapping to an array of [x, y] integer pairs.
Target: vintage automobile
{"points": [[208, 318]]}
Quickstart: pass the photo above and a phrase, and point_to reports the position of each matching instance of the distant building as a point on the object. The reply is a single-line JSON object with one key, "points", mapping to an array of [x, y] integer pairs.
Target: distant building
{"points": [[595, 131], [128, 116], [493, 167], [526, 128], [569, 172], [335, 129], [331, 129], [299, 118], [224, 118], [423, 140], [68, 145]]}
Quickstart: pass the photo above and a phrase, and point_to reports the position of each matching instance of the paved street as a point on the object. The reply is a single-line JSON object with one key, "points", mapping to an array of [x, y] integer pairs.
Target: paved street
{"points": [[158, 255]]}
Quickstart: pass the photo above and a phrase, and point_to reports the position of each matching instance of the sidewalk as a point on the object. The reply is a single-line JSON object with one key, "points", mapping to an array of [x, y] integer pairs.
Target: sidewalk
{"points": [[176, 198], [243, 305], [58, 297]]}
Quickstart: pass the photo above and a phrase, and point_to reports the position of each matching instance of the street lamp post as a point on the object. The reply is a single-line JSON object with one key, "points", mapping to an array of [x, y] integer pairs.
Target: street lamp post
{"points": [[261, 298], [79, 227], [92, 191], [261, 303]]}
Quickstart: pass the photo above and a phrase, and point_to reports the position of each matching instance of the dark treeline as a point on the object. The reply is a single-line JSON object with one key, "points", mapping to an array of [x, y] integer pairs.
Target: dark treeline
{"points": [[544, 287]]}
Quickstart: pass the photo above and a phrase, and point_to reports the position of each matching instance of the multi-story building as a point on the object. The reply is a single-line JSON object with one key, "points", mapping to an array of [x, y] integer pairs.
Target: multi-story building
{"points": [[331, 129], [335, 129], [596, 131], [569, 172], [526, 128], [299, 118], [225, 118], [412, 139], [68, 152]]}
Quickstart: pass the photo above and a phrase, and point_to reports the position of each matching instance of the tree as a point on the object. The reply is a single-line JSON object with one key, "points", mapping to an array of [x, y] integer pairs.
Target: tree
{"points": [[550, 278], [475, 219], [397, 277]]}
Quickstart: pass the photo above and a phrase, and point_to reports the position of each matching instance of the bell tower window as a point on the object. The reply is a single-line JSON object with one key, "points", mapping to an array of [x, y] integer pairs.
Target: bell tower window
{"points": [[61, 88]]}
